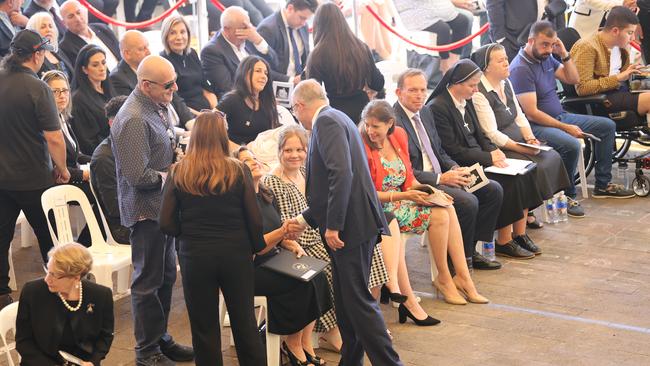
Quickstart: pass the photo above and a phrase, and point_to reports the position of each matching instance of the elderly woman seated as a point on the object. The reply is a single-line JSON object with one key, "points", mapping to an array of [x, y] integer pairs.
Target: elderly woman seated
{"points": [[458, 125], [64, 312]]}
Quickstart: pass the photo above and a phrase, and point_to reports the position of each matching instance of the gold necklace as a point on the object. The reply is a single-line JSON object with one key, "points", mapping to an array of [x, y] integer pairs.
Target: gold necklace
{"points": [[291, 180], [81, 297]]}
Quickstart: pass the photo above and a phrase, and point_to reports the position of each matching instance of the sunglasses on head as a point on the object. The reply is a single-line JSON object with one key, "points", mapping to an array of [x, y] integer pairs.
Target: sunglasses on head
{"points": [[166, 85]]}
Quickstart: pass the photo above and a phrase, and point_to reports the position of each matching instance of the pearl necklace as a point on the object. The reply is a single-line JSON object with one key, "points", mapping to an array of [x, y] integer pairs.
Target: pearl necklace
{"points": [[81, 297]]}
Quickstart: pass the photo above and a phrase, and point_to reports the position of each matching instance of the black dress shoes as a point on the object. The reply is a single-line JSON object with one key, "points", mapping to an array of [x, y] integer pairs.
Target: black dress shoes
{"points": [[527, 243], [512, 250], [480, 262], [177, 352]]}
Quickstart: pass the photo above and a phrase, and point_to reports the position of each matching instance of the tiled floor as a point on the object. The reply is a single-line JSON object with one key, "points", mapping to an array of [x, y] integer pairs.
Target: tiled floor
{"points": [[583, 302]]}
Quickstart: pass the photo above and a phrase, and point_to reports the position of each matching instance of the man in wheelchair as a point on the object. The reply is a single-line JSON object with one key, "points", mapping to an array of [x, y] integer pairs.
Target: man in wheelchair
{"points": [[601, 73], [532, 74]]}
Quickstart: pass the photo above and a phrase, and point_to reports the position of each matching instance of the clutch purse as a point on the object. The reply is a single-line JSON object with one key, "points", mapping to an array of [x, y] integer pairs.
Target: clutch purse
{"points": [[436, 196]]}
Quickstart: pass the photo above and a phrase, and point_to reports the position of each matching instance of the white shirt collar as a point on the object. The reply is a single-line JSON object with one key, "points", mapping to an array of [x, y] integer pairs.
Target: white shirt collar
{"points": [[459, 104], [408, 112], [284, 19], [313, 119], [241, 48]]}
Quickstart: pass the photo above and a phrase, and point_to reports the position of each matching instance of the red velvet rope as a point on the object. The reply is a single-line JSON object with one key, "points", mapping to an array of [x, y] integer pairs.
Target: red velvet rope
{"points": [[218, 4], [443, 48], [144, 24]]}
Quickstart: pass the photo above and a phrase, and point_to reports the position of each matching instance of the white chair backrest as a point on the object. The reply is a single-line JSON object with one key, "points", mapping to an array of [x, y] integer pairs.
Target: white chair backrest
{"points": [[57, 199], [7, 323], [110, 240]]}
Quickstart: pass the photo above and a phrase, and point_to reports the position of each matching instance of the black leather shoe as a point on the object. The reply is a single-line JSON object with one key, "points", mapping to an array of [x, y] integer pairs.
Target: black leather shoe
{"points": [[527, 243], [480, 262], [156, 360], [177, 352], [512, 250]]}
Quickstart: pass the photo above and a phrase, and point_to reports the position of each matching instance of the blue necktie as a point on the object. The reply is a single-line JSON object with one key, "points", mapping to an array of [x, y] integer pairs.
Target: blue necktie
{"points": [[426, 144], [296, 55]]}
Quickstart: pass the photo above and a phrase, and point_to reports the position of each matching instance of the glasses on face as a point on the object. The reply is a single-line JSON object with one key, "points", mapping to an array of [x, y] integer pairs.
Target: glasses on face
{"points": [[53, 275], [61, 91], [168, 85]]}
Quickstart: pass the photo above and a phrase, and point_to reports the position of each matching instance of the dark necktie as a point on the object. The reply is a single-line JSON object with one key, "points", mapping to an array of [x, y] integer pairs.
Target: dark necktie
{"points": [[296, 55], [426, 144]]}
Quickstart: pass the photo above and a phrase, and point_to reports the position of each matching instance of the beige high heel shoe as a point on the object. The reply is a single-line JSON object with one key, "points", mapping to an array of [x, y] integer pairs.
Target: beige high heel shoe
{"points": [[450, 298], [477, 299]]}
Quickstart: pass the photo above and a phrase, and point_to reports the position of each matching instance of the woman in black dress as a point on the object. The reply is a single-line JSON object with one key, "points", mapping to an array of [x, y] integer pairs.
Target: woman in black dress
{"points": [[209, 203], [342, 63], [193, 86], [92, 90], [250, 107], [462, 138], [294, 305], [43, 24]]}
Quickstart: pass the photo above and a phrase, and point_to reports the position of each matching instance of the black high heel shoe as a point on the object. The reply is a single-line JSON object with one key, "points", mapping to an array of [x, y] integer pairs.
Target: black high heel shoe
{"points": [[293, 360], [314, 360], [404, 313], [386, 295]]}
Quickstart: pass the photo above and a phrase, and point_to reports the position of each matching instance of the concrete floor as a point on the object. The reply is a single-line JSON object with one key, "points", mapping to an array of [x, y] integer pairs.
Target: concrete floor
{"points": [[584, 301]]}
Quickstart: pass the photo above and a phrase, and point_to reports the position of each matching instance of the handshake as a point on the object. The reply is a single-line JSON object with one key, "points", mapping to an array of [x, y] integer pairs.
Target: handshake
{"points": [[292, 229]]}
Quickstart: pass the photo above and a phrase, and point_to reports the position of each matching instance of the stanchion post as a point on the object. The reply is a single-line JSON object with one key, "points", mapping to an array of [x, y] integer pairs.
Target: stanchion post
{"points": [[202, 21], [356, 18]]}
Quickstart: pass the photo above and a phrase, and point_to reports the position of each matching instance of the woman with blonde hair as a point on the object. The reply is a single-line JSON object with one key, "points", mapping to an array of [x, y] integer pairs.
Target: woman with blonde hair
{"points": [[210, 205], [65, 312]]}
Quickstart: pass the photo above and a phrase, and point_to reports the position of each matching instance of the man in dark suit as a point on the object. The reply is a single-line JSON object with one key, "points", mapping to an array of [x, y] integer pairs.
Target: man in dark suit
{"points": [[287, 34], [519, 14], [7, 29], [237, 40], [134, 47], [46, 6], [477, 212], [80, 33], [343, 204]]}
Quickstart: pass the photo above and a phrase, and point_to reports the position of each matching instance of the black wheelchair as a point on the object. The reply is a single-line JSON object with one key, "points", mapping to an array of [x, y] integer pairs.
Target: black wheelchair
{"points": [[630, 127]]}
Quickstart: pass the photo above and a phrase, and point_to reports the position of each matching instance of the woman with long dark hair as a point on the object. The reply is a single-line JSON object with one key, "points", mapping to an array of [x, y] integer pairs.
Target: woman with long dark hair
{"points": [[250, 106], [209, 203], [342, 63], [92, 90]]}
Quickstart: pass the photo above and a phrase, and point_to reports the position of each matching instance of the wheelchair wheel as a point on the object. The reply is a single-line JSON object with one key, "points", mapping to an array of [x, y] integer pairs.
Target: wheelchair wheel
{"points": [[641, 185]]}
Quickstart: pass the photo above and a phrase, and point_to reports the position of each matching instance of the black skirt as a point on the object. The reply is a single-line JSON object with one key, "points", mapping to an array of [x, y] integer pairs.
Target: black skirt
{"points": [[550, 174], [292, 304], [519, 193]]}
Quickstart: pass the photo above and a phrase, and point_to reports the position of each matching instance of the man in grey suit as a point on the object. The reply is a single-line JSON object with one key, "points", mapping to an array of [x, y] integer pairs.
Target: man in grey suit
{"points": [[287, 34], [343, 204]]}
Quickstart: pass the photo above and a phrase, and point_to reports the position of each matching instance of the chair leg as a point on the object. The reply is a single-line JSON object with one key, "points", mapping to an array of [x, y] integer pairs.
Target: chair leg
{"points": [[581, 171], [123, 279], [103, 276], [12, 272], [434, 269]]}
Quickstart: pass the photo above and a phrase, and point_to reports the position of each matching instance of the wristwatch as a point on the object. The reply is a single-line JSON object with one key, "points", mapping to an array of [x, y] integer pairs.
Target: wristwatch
{"points": [[567, 58]]}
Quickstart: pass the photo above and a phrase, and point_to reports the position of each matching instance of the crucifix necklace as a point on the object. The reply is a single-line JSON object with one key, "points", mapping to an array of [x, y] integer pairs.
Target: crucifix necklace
{"points": [[466, 125]]}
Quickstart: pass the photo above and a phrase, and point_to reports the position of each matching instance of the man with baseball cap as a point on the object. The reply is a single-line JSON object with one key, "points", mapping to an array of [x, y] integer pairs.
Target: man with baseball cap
{"points": [[31, 146]]}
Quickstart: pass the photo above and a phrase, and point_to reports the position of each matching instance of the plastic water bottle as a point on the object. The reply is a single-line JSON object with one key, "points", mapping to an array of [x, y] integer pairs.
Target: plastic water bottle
{"points": [[562, 206], [551, 212], [622, 174], [488, 250]]}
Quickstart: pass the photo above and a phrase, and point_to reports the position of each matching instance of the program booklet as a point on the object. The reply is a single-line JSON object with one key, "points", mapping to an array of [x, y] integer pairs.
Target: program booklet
{"points": [[515, 167], [303, 268], [537, 147], [478, 179], [71, 358]]}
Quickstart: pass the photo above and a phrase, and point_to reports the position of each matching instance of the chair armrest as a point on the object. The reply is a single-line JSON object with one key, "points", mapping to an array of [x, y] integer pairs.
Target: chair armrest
{"points": [[590, 99]]}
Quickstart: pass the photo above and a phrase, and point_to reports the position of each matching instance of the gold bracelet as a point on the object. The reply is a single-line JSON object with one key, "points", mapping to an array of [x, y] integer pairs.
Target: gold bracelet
{"points": [[390, 197]]}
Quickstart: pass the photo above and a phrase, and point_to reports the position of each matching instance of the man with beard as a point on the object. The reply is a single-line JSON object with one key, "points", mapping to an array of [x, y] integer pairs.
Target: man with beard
{"points": [[533, 74]]}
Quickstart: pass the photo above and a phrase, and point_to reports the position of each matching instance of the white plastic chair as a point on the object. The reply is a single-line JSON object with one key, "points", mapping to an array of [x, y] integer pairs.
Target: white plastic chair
{"points": [[7, 323], [106, 258], [27, 237], [424, 241], [110, 240], [272, 340]]}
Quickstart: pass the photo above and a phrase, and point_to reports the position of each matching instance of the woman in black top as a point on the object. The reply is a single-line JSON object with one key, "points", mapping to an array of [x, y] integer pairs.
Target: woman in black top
{"points": [[342, 63], [193, 86], [294, 305], [209, 203], [92, 90], [43, 23], [250, 107], [64, 312]]}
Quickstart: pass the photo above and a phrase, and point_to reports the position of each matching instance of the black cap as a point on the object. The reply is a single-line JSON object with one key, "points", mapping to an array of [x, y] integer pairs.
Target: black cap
{"points": [[27, 42]]}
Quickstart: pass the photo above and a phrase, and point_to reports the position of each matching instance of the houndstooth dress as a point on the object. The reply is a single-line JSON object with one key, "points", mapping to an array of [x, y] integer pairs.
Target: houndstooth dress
{"points": [[292, 203]]}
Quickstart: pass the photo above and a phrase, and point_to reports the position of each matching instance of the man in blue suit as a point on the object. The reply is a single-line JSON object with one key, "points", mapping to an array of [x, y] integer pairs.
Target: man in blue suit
{"points": [[343, 204]]}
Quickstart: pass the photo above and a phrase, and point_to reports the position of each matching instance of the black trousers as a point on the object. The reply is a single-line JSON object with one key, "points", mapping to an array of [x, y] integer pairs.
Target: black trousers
{"points": [[11, 203], [477, 213], [203, 277], [360, 321], [452, 31], [146, 10]]}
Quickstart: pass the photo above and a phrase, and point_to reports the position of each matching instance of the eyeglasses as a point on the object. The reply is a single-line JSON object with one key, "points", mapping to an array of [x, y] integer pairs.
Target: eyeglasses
{"points": [[53, 275], [168, 85], [58, 92]]}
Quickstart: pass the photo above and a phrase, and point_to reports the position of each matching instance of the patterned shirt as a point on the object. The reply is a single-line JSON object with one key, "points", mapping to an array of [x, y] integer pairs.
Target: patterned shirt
{"points": [[142, 140], [592, 58]]}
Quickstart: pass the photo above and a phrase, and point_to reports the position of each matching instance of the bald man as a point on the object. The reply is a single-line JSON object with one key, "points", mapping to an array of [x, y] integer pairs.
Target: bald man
{"points": [[237, 39], [143, 143], [80, 33]]}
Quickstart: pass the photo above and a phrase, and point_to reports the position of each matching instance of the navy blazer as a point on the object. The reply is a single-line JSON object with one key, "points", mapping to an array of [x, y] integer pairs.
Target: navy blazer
{"points": [[220, 62], [340, 192], [415, 151], [274, 31], [5, 39], [454, 134], [72, 43]]}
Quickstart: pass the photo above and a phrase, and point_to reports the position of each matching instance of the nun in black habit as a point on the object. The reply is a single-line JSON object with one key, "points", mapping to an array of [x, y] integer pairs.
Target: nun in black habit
{"points": [[463, 139], [503, 122]]}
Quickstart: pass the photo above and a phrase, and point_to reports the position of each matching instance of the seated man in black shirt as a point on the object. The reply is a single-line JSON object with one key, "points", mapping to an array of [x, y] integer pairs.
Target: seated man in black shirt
{"points": [[103, 179]]}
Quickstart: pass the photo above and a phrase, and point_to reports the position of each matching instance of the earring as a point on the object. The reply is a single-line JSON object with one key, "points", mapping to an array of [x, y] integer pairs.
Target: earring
{"points": [[76, 286]]}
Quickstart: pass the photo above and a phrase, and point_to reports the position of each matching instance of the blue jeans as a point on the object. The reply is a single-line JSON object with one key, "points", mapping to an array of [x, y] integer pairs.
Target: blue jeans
{"points": [[154, 273], [569, 147]]}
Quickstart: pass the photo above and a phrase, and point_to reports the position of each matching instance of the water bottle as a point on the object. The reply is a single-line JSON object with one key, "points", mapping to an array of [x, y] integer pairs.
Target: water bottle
{"points": [[562, 206], [488, 250], [622, 174], [551, 213]]}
